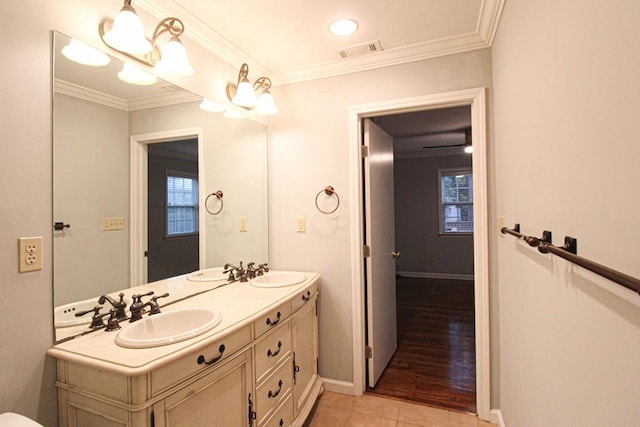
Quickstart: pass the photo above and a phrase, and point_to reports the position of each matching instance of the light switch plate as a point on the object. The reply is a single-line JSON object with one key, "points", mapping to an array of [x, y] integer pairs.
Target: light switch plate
{"points": [[112, 223], [301, 224]]}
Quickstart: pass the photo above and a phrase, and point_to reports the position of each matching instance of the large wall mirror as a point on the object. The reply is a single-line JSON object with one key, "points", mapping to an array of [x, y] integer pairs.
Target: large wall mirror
{"points": [[132, 168]]}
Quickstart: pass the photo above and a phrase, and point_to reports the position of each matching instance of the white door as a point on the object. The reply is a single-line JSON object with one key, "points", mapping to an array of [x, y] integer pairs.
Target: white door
{"points": [[380, 237]]}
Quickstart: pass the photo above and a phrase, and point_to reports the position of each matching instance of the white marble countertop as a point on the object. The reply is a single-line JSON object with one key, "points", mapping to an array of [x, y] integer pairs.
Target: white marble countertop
{"points": [[238, 303]]}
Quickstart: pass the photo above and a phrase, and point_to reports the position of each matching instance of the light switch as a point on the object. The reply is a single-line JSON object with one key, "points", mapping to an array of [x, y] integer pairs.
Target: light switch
{"points": [[301, 224], [112, 223], [243, 223]]}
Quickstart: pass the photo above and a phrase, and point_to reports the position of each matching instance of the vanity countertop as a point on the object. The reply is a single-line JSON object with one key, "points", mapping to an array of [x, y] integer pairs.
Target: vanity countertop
{"points": [[238, 303]]}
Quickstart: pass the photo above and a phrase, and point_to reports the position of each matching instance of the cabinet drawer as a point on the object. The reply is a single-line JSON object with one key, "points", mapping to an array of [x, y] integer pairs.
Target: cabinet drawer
{"points": [[172, 373], [272, 319], [304, 297], [273, 390], [274, 347], [283, 416]]}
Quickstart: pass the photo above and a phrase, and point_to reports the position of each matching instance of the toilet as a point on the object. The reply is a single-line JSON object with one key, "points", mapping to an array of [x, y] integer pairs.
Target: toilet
{"points": [[9, 419]]}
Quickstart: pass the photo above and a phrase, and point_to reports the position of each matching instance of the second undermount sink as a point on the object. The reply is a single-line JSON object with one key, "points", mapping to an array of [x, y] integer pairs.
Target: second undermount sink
{"points": [[168, 328], [278, 279]]}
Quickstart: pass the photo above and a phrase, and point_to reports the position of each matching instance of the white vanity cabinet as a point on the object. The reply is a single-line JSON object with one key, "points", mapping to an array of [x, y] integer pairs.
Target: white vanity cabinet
{"points": [[260, 371]]}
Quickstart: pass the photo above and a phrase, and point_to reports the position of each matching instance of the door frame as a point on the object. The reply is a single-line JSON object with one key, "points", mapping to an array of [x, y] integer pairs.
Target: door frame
{"points": [[138, 195], [476, 99]]}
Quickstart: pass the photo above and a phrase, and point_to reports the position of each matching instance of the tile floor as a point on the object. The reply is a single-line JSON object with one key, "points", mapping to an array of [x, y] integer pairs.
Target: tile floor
{"points": [[339, 410]]}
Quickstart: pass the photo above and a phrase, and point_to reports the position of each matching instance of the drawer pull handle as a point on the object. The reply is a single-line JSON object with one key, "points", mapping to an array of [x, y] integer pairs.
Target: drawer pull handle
{"points": [[306, 297], [275, 353], [274, 322], [202, 360], [277, 392]]}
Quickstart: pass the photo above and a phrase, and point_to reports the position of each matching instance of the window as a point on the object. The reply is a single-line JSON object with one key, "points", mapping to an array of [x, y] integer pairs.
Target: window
{"points": [[456, 201], [182, 204]]}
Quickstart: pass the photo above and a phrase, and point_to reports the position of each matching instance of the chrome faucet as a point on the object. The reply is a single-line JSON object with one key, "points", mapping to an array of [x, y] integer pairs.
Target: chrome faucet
{"points": [[119, 306]]}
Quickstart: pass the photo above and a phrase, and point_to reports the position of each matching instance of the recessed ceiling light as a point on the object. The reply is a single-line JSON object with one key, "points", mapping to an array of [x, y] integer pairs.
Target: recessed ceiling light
{"points": [[343, 27]]}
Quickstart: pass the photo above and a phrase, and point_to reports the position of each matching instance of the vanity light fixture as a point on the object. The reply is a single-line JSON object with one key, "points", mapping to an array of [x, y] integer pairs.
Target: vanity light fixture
{"points": [[244, 94], [82, 54], [125, 34]]}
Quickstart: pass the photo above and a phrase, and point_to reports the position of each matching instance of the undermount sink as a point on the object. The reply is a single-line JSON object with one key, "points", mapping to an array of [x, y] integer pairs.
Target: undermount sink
{"points": [[168, 328], [208, 275], [278, 279], [65, 315]]}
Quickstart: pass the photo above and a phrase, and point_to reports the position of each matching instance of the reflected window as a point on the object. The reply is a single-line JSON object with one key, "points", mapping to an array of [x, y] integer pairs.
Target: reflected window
{"points": [[182, 204], [456, 201]]}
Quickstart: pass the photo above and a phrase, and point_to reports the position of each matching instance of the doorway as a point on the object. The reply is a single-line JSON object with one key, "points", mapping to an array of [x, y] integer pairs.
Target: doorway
{"points": [[475, 98], [173, 207], [138, 196], [430, 193]]}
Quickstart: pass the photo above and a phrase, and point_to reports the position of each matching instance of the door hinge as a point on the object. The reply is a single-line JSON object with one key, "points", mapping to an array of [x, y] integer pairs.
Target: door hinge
{"points": [[364, 151], [366, 251], [368, 352]]}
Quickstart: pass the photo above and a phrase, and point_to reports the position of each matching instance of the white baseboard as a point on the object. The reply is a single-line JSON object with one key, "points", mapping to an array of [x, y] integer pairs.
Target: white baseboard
{"points": [[337, 386], [495, 416], [435, 275]]}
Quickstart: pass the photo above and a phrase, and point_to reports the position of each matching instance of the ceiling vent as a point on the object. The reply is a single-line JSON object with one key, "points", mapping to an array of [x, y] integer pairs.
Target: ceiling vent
{"points": [[360, 49]]}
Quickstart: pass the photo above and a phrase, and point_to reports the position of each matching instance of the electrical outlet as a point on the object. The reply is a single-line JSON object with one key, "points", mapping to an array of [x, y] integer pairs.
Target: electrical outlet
{"points": [[112, 223], [301, 224], [243, 223], [29, 254]]}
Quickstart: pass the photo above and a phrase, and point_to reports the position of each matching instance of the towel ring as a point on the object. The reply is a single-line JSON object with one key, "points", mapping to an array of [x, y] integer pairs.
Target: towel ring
{"points": [[329, 191], [219, 195]]}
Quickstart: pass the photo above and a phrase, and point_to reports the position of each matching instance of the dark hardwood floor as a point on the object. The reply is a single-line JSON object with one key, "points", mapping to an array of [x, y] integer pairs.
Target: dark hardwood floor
{"points": [[435, 360]]}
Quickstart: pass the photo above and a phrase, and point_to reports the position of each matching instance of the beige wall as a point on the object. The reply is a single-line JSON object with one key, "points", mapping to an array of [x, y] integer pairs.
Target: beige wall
{"points": [[566, 159]]}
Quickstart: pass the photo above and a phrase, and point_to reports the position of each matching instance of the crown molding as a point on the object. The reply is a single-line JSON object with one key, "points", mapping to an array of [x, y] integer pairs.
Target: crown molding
{"points": [[209, 39], [101, 98]]}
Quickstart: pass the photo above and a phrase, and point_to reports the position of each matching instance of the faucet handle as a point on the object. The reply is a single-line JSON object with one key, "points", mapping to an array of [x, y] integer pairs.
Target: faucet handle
{"points": [[153, 304], [112, 323], [96, 319]]}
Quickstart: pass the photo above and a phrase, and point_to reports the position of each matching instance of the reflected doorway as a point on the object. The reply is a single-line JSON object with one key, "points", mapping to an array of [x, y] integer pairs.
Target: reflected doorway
{"points": [[173, 207]]}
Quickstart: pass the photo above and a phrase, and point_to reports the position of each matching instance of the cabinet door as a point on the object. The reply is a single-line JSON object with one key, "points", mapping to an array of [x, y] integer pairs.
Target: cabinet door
{"points": [[220, 398], [305, 353]]}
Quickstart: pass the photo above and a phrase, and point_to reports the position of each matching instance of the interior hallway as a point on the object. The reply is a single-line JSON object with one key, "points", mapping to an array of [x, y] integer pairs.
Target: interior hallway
{"points": [[340, 410], [435, 360]]}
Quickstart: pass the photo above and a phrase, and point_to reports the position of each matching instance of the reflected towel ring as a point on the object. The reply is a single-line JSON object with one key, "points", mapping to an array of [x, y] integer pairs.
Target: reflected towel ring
{"points": [[329, 191], [219, 195]]}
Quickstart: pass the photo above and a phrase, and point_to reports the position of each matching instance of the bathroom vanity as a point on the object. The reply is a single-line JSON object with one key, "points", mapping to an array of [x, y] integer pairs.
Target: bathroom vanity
{"points": [[257, 367]]}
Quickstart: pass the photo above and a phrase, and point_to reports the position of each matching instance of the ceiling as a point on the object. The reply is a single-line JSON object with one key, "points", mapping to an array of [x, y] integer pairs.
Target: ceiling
{"points": [[289, 40]]}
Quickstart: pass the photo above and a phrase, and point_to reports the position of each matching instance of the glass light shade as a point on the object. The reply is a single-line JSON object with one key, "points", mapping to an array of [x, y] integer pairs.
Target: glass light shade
{"points": [[174, 58], [245, 95], [134, 75], [211, 106], [343, 27], [127, 33], [232, 114], [266, 104], [468, 149], [85, 55]]}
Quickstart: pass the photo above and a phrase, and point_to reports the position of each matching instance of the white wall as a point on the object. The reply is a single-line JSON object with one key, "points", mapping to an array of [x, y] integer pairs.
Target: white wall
{"points": [[308, 143], [566, 159], [91, 172]]}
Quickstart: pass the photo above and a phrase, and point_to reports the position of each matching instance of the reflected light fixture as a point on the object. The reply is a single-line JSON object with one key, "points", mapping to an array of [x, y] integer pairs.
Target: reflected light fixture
{"points": [[134, 75], [82, 54], [125, 34], [244, 94], [211, 106], [468, 140]]}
